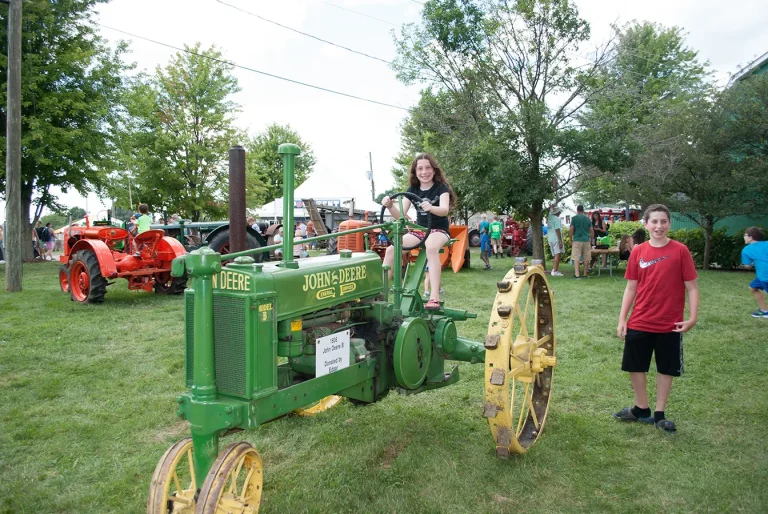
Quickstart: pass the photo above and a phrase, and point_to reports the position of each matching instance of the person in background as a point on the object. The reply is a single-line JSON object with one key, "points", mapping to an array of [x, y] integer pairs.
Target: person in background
{"points": [[49, 240], [628, 242], [278, 239], [496, 228], [599, 231], [756, 253], [555, 239], [581, 237], [298, 249], [144, 221], [2, 255], [301, 226]]}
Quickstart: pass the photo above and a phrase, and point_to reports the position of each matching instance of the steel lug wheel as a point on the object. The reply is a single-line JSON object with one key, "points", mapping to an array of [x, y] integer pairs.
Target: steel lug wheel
{"points": [[234, 482], [519, 359], [173, 489]]}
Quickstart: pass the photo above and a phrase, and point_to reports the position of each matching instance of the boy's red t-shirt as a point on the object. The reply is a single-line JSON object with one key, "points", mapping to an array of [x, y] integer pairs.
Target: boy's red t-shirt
{"points": [[660, 274]]}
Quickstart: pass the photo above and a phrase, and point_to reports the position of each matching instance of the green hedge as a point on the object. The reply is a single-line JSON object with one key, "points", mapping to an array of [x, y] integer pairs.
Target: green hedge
{"points": [[725, 252]]}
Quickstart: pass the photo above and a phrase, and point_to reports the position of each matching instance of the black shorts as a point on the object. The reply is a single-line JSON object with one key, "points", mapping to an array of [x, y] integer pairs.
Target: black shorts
{"points": [[639, 346]]}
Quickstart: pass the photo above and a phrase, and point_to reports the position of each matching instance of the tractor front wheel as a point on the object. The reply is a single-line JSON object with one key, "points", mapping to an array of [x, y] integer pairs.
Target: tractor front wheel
{"points": [[234, 482], [166, 284], [175, 469], [519, 359], [86, 283]]}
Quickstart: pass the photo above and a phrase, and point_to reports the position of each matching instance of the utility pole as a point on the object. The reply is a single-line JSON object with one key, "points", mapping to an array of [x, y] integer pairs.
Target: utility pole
{"points": [[13, 238], [370, 177]]}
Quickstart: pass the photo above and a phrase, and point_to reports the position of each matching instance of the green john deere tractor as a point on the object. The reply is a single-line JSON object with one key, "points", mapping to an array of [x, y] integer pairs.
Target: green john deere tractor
{"points": [[332, 320]]}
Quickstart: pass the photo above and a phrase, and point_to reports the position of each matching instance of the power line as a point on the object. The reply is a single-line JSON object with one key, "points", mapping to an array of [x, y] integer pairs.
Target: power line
{"points": [[253, 70], [303, 33], [415, 2]]}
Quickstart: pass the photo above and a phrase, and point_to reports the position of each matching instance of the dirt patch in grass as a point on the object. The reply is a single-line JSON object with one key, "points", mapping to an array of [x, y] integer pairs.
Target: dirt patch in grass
{"points": [[391, 451]]}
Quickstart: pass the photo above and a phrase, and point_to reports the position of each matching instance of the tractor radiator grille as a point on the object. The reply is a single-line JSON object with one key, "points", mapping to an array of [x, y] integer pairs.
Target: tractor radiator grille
{"points": [[229, 337], [229, 343], [352, 242]]}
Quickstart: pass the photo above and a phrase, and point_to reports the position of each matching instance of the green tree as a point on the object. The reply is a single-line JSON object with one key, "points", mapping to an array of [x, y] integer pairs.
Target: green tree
{"points": [[709, 157], [71, 84], [264, 166], [650, 73], [178, 128], [510, 65]]}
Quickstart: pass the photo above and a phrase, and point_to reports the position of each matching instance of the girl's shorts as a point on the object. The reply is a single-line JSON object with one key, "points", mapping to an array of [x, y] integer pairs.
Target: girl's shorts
{"points": [[421, 234]]}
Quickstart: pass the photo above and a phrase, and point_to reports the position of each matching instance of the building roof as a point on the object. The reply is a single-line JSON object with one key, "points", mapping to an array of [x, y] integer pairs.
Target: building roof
{"points": [[748, 69]]}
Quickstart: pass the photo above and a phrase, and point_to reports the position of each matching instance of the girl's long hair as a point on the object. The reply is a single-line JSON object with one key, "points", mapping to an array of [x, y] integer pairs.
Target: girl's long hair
{"points": [[439, 177]]}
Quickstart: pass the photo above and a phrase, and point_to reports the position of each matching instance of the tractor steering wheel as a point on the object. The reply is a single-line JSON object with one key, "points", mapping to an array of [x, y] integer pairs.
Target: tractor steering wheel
{"points": [[415, 200]]}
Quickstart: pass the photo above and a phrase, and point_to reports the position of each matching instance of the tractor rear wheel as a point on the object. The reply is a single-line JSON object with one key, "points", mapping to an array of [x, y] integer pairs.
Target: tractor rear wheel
{"points": [[64, 278], [166, 284], [333, 245], [474, 238], [86, 284], [519, 360], [220, 244], [176, 469], [234, 483]]}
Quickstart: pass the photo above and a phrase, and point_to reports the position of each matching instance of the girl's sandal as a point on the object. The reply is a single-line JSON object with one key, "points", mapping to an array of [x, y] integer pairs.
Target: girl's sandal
{"points": [[432, 305]]}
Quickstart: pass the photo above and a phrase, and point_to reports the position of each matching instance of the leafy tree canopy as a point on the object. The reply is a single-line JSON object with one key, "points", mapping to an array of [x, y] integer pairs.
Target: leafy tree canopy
{"points": [[71, 83], [264, 166], [177, 130]]}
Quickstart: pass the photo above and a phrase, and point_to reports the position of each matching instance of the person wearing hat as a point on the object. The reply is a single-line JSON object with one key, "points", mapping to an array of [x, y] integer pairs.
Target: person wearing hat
{"points": [[555, 238]]}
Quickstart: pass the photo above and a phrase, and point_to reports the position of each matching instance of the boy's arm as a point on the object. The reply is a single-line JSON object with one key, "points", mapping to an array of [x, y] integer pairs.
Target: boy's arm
{"points": [[629, 297], [692, 286]]}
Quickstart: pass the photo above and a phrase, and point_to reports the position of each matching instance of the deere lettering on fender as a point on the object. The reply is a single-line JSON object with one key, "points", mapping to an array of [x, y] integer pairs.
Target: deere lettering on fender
{"points": [[336, 331]]}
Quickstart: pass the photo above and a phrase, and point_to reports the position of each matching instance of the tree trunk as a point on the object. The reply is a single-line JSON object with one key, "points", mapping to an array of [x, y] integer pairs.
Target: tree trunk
{"points": [[538, 233], [708, 229]]}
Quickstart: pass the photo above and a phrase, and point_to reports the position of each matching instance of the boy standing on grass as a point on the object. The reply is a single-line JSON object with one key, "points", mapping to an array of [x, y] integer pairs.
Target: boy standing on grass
{"points": [[659, 273], [756, 253]]}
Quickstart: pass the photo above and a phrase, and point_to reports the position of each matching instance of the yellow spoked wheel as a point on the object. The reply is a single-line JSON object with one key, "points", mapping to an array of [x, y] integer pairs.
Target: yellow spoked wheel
{"points": [[173, 489], [234, 482], [519, 359], [321, 406]]}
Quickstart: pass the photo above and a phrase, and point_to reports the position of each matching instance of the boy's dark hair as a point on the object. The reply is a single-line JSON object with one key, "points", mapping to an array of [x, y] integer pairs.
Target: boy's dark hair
{"points": [[143, 208], [755, 233], [580, 208], [638, 236], [657, 207]]}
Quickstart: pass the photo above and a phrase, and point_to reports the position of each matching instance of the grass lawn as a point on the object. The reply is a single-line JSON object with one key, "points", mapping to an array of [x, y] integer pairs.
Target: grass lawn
{"points": [[87, 407]]}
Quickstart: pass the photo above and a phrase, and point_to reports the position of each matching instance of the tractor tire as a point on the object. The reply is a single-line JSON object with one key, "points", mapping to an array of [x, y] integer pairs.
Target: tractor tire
{"points": [[164, 283], [467, 255], [220, 244], [474, 238], [529, 241], [64, 278], [333, 245], [86, 283]]}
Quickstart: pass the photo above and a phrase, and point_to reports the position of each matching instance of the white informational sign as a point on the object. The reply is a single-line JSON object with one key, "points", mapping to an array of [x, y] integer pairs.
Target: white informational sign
{"points": [[332, 353]]}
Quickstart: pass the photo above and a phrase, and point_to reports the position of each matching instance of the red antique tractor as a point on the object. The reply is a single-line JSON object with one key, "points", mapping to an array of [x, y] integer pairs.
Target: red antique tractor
{"points": [[94, 255], [514, 239]]}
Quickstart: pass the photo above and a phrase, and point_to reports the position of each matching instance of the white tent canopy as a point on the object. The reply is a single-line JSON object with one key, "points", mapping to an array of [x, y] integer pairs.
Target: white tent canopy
{"points": [[324, 188]]}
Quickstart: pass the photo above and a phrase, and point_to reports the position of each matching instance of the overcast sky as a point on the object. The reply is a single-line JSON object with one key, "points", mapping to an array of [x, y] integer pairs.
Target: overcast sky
{"points": [[343, 130]]}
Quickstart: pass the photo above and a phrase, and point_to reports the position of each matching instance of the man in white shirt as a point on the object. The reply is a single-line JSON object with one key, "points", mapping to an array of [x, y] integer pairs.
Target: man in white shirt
{"points": [[555, 238]]}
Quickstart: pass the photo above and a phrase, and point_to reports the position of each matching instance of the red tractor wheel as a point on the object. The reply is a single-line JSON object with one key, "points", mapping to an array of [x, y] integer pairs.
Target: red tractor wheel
{"points": [[166, 284], [64, 278], [86, 284]]}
